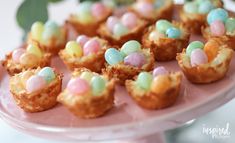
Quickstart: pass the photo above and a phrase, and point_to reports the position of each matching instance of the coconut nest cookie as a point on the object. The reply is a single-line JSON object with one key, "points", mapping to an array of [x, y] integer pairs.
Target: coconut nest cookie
{"points": [[33, 92], [166, 43], [156, 92], [88, 94]]}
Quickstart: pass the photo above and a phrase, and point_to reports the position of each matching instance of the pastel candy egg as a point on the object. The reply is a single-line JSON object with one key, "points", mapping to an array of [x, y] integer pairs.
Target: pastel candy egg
{"points": [[113, 56], [111, 22], [159, 71], [191, 7], [82, 39], [33, 49], [230, 25], [129, 20], [160, 84], [29, 60], [194, 45], [98, 10], [120, 30], [130, 47], [217, 14], [98, 85], [205, 7], [159, 3], [85, 18], [211, 49], [86, 76], [73, 49], [144, 80], [135, 59], [25, 76], [47, 73], [37, 30], [78, 86], [217, 28], [145, 8], [154, 35], [198, 57], [163, 25], [85, 7], [16, 54], [173, 32], [35, 83], [91, 46], [51, 29]]}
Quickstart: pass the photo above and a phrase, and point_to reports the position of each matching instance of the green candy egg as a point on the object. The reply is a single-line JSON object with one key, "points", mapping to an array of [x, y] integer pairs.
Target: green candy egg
{"points": [[131, 47], [87, 76], [144, 80], [191, 7], [194, 45], [98, 85], [51, 29], [230, 25], [47, 73], [120, 30], [37, 30], [163, 25], [33, 49], [205, 7]]}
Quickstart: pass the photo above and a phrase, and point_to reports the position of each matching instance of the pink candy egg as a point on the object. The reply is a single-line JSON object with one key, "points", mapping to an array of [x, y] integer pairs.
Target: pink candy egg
{"points": [[198, 57], [111, 22], [129, 20], [98, 10], [159, 71], [82, 39], [35, 83], [91, 46], [145, 8], [135, 59], [78, 86], [16, 54], [217, 28]]}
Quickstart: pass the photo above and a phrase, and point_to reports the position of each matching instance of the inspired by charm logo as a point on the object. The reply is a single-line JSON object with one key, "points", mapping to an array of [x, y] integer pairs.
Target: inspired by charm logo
{"points": [[217, 132]]}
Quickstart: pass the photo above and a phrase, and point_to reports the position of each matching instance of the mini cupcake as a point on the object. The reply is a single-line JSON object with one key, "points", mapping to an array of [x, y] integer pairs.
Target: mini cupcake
{"points": [[193, 13], [128, 62], [166, 39], [88, 94], [29, 58], [118, 30], [50, 36], [36, 90], [152, 10], [157, 90], [205, 63], [89, 17], [86, 52], [220, 26]]}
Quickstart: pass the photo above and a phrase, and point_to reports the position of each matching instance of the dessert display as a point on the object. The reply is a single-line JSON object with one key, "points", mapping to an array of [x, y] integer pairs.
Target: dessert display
{"points": [[88, 94], [85, 52], [118, 30], [36, 90], [153, 10], [30, 57], [166, 39], [156, 90], [205, 63], [193, 14], [89, 16], [220, 26], [50, 36], [127, 62]]}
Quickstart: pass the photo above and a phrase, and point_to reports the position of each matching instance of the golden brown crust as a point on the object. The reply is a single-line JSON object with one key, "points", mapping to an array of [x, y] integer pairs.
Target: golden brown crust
{"points": [[206, 73], [152, 100], [122, 72], [135, 34], [38, 101], [89, 106], [165, 49]]}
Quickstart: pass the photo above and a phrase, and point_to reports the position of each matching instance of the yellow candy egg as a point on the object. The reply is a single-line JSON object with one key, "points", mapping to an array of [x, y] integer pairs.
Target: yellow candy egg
{"points": [[73, 49], [29, 60], [37, 30], [160, 84], [33, 49], [25, 76]]}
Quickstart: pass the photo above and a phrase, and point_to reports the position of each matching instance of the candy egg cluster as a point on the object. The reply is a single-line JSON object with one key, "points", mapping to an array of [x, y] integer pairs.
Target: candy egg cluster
{"points": [[130, 54], [122, 26], [85, 82], [199, 6], [220, 23]]}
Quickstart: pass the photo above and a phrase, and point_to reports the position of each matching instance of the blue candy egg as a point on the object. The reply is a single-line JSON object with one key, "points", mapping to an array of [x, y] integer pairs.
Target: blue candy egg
{"points": [[205, 7], [51, 29], [173, 32], [47, 73], [159, 3], [217, 14], [113, 56]]}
